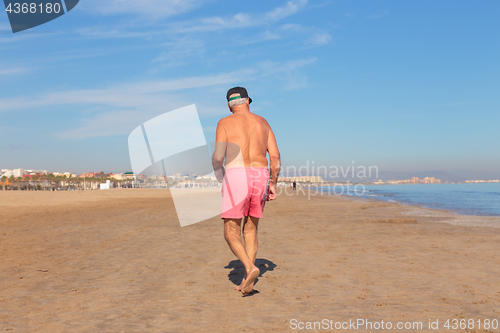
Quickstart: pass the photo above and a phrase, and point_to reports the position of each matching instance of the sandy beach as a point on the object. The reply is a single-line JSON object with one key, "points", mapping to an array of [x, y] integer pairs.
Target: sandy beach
{"points": [[118, 261]]}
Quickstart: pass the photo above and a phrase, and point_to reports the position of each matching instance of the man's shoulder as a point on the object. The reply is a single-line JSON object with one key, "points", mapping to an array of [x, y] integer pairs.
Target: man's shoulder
{"points": [[260, 118], [236, 118], [224, 120]]}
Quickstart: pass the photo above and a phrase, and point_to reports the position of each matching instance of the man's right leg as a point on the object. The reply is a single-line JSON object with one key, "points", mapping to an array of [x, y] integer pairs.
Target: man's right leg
{"points": [[232, 234], [250, 236]]}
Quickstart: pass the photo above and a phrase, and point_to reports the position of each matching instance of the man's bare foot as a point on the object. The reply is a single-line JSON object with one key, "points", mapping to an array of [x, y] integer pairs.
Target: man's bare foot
{"points": [[248, 285], [238, 288]]}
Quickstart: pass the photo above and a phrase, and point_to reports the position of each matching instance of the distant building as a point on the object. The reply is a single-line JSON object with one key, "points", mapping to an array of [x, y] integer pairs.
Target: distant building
{"points": [[482, 181], [38, 172], [106, 186], [129, 175], [414, 180], [87, 175], [65, 174], [16, 173], [209, 177]]}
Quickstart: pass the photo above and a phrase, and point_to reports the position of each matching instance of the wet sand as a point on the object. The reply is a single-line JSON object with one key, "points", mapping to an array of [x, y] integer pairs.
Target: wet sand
{"points": [[118, 261]]}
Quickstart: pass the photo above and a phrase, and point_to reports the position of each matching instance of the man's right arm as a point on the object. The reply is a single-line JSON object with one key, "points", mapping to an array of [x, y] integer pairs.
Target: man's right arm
{"points": [[275, 161]]}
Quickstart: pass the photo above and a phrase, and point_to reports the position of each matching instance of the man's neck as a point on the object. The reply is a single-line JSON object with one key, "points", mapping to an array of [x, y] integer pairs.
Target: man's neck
{"points": [[240, 110]]}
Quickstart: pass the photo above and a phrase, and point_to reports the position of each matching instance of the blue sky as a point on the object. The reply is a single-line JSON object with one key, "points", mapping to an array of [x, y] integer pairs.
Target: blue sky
{"points": [[403, 85]]}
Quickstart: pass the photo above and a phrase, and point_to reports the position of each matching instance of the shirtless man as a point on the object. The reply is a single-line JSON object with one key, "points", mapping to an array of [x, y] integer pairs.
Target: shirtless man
{"points": [[243, 141]]}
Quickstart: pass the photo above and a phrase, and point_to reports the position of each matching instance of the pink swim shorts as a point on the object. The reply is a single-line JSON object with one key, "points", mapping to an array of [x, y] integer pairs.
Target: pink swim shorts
{"points": [[243, 192]]}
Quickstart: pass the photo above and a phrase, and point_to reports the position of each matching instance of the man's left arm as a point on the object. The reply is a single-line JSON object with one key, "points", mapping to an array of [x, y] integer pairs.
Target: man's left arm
{"points": [[275, 163], [220, 151]]}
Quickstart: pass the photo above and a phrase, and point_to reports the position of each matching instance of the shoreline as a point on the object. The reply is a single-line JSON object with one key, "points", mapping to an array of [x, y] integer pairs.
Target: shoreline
{"points": [[455, 210], [440, 214]]}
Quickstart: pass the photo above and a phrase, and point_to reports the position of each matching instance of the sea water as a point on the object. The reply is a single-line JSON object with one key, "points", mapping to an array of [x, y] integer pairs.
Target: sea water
{"points": [[469, 199]]}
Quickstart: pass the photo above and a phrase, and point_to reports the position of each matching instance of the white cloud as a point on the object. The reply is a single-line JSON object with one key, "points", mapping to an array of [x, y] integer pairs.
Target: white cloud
{"points": [[287, 72], [185, 41], [265, 36], [104, 32], [314, 36], [179, 50], [153, 9], [128, 105], [289, 9], [5, 26], [123, 96], [199, 25], [239, 20], [322, 38], [142, 94], [215, 23], [12, 38], [110, 123], [293, 27], [269, 68], [12, 71]]}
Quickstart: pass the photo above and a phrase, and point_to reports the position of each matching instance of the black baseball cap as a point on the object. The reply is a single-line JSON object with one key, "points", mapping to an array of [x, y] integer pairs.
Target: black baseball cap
{"points": [[237, 90]]}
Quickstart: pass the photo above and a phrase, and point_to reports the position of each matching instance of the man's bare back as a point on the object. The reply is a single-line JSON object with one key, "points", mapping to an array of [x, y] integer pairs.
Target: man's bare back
{"points": [[248, 132]]}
